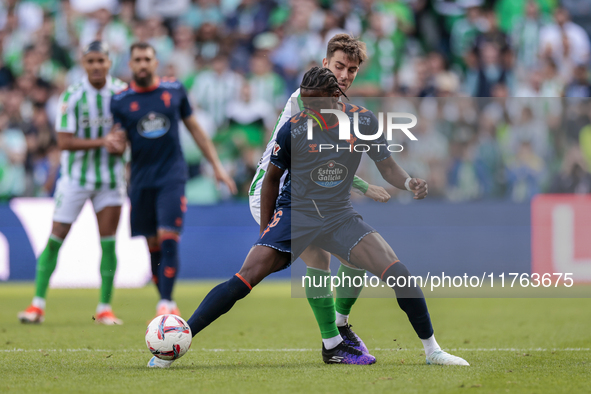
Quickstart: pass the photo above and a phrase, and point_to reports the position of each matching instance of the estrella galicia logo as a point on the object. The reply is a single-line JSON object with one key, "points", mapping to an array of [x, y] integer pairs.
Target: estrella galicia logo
{"points": [[153, 125], [329, 174]]}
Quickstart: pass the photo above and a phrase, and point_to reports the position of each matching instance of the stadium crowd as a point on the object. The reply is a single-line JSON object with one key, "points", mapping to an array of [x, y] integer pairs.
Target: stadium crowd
{"points": [[526, 61]]}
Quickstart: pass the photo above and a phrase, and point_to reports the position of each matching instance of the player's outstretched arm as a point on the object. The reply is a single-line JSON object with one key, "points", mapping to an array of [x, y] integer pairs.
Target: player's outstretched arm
{"points": [[269, 193], [397, 177], [206, 146], [67, 141], [376, 193]]}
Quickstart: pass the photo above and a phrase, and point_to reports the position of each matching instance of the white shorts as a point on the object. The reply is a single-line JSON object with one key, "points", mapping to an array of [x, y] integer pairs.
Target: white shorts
{"points": [[70, 197], [255, 207]]}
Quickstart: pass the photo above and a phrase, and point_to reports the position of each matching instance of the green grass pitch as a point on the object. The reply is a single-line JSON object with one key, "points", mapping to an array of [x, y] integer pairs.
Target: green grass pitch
{"points": [[270, 343]]}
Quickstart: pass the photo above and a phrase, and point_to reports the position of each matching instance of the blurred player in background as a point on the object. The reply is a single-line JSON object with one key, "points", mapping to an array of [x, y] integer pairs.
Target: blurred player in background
{"points": [[147, 115], [88, 172], [344, 57]]}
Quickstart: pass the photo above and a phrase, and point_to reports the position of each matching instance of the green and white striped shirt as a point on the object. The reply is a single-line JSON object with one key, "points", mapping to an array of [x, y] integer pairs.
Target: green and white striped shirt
{"points": [[84, 112]]}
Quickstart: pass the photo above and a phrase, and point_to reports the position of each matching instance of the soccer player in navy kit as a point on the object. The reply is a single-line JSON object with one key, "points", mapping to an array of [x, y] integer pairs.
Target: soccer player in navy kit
{"points": [[149, 112], [310, 212]]}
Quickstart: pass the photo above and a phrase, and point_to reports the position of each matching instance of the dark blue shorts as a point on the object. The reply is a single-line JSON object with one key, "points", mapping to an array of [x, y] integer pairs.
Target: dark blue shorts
{"points": [[292, 232], [157, 208]]}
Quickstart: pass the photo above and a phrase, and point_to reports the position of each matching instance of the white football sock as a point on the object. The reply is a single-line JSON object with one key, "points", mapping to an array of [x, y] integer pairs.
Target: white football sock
{"points": [[39, 302], [103, 307], [171, 305], [333, 342], [161, 303], [430, 345], [342, 320]]}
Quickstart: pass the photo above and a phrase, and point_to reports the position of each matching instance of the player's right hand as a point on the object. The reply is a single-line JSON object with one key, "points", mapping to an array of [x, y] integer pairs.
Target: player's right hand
{"points": [[377, 193], [222, 176]]}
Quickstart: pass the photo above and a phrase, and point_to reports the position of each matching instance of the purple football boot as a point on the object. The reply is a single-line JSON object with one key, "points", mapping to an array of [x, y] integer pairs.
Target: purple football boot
{"points": [[344, 354], [351, 339]]}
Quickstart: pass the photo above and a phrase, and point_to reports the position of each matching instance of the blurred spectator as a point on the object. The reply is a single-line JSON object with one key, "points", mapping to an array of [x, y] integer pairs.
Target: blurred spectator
{"points": [[378, 70], [580, 11], [490, 72], [215, 88], [565, 42], [202, 11], [466, 29], [13, 152], [265, 84], [169, 10], [468, 178], [525, 174], [574, 176], [184, 52], [579, 86], [525, 37]]}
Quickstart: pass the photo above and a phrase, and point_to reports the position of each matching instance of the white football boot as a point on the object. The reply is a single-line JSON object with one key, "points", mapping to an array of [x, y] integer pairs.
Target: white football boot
{"points": [[439, 357]]}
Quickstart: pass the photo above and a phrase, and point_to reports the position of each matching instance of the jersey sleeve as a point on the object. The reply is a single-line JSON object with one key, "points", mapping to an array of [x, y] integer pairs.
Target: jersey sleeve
{"points": [[186, 109], [379, 149], [281, 154], [65, 122], [114, 107]]}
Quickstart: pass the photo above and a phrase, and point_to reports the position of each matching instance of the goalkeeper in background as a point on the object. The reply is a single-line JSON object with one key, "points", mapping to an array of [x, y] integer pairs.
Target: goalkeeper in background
{"points": [[88, 171]]}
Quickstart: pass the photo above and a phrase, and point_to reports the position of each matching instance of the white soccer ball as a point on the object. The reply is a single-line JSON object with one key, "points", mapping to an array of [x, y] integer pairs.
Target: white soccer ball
{"points": [[168, 337]]}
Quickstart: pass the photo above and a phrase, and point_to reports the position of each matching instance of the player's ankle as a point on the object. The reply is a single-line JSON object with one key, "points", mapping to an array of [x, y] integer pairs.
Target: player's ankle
{"points": [[331, 343], [38, 302], [342, 320], [101, 307], [430, 345]]}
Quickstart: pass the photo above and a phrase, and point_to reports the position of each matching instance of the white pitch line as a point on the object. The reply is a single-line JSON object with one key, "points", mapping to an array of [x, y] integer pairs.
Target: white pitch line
{"points": [[568, 349]]}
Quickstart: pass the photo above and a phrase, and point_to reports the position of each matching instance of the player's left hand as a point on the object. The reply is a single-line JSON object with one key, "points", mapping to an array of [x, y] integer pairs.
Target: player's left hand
{"points": [[377, 193], [222, 176], [419, 188]]}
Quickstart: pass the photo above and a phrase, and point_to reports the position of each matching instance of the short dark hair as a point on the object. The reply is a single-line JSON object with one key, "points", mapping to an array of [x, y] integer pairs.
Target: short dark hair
{"points": [[141, 45], [322, 79], [354, 48]]}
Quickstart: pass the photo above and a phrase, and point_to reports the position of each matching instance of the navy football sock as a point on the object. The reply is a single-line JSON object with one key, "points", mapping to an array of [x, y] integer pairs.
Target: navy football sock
{"points": [[168, 267], [410, 299], [155, 257], [217, 302]]}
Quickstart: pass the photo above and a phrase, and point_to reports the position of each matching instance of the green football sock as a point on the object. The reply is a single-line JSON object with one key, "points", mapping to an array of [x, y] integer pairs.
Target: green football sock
{"points": [[46, 265], [322, 302], [347, 292], [108, 267]]}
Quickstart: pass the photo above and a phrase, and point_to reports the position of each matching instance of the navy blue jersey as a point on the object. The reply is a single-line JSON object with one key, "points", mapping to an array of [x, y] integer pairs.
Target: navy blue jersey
{"points": [[150, 117], [322, 169]]}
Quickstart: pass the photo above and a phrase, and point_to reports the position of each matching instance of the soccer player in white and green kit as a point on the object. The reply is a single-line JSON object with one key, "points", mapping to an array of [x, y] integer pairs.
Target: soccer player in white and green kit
{"points": [[88, 171]]}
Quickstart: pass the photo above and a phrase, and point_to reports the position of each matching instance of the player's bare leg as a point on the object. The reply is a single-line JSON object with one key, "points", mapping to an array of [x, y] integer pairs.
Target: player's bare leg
{"points": [[167, 270], [108, 221], [374, 254], [322, 302], [46, 264], [260, 262]]}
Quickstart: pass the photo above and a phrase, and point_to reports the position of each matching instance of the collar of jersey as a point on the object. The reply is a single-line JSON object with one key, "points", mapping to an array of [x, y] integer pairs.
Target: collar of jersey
{"points": [[321, 117], [150, 88]]}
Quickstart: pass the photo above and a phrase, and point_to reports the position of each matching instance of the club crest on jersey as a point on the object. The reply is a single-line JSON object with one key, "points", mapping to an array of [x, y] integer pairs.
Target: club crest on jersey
{"points": [[276, 149], [329, 174], [153, 125]]}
